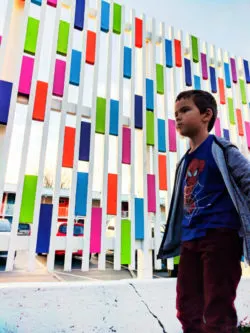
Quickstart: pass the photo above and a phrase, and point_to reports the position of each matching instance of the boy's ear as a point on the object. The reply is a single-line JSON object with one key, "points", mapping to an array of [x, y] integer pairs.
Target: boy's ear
{"points": [[208, 115]]}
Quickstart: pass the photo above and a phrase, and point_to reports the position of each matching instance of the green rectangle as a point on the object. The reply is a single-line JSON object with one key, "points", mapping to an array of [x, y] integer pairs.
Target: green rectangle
{"points": [[31, 35], [176, 260], [195, 49], [117, 18], [63, 37], [125, 242], [150, 129], [230, 104], [100, 115], [159, 79], [243, 92], [28, 199]]}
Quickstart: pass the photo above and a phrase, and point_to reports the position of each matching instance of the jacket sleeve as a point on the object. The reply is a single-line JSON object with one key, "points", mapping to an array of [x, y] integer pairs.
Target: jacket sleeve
{"points": [[240, 170]]}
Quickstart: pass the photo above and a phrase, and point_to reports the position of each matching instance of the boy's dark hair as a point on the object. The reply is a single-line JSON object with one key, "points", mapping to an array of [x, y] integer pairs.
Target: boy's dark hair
{"points": [[203, 100]]}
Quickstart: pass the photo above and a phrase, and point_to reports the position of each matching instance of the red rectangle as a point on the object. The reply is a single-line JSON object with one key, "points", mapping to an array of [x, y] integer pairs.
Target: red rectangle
{"points": [[222, 91], [239, 122], [40, 101], [138, 32], [112, 194], [68, 147], [91, 47], [177, 48], [162, 159]]}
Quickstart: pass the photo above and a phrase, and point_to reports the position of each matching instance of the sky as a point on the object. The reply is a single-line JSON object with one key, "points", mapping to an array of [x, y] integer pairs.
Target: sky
{"points": [[224, 23]]}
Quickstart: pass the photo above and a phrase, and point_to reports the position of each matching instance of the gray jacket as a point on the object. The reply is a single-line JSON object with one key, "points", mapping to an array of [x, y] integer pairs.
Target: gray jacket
{"points": [[235, 170]]}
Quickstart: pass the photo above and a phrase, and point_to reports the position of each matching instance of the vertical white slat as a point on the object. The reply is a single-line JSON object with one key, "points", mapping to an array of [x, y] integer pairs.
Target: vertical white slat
{"points": [[205, 83], [5, 35], [145, 254], [57, 184], [70, 237], [102, 255], [87, 224], [117, 250], [26, 140], [12, 109], [155, 153], [133, 147], [9, 265]]}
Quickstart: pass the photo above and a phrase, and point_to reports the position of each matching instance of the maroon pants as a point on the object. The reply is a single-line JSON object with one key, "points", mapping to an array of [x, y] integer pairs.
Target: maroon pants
{"points": [[208, 276]]}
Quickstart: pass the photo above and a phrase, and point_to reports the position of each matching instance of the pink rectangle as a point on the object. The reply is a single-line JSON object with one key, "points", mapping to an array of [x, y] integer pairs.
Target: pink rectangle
{"points": [[247, 127], [151, 194], [217, 127], [52, 3], [0, 40], [95, 233], [26, 75], [172, 135], [59, 76], [126, 145]]}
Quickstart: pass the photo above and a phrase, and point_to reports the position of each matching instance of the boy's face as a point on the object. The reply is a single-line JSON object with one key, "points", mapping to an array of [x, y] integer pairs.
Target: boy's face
{"points": [[189, 121]]}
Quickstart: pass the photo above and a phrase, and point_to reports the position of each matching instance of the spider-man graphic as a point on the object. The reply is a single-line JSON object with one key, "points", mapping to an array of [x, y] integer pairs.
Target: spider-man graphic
{"points": [[192, 185]]}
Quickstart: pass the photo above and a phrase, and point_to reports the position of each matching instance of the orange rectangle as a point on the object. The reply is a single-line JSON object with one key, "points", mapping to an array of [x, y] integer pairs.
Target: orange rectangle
{"points": [[138, 32], [222, 91], [112, 194], [239, 122], [177, 48], [40, 101], [162, 160], [91, 47], [68, 147]]}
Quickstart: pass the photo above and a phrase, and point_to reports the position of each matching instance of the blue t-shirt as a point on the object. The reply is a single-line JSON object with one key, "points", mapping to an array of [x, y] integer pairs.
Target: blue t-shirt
{"points": [[207, 203]]}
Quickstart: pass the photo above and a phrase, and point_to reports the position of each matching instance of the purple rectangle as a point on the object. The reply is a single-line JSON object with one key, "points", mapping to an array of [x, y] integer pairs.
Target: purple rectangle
{"points": [[233, 70], [204, 66], [126, 145], [84, 141], [151, 194], [26, 75], [247, 127], [172, 135], [59, 76], [95, 233], [5, 96], [217, 127]]}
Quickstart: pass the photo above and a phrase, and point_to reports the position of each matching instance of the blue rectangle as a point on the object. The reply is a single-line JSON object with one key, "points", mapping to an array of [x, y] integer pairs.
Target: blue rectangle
{"points": [[79, 14], [139, 219], [75, 67], [84, 141], [37, 2], [161, 136], [81, 194], [150, 95], [197, 82], [226, 134], [44, 228], [246, 69], [188, 75], [5, 96], [213, 79], [114, 117], [227, 75], [169, 53], [138, 112], [127, 64], [105, 16]]}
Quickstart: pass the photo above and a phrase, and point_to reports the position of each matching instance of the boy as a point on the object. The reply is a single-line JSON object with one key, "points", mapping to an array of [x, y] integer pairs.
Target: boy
{"points": [[208, 216]]}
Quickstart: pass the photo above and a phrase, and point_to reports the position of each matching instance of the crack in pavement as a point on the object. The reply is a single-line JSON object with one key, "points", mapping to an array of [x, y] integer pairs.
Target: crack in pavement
{"points": [[159, 322]]}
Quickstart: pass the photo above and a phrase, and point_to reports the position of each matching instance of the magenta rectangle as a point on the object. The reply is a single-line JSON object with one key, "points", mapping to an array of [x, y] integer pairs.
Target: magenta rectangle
{"points": [[126, 145], [172, 135], [151, 194], [52, 3], [217, 127], [26, 75], [204, 66], [95, 232], [0, 40], [59, 76], [247, 127], [233, 70]]}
